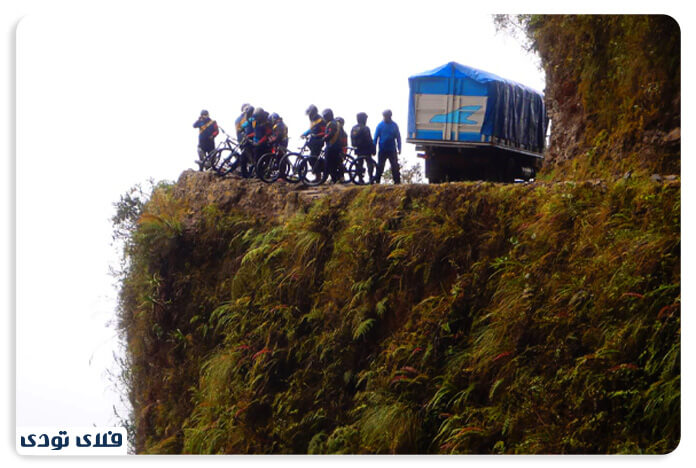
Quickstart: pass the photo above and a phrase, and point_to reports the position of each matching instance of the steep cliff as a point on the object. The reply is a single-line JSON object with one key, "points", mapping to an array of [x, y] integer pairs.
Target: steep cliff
{"points": [[613, 90], [452, 318]]}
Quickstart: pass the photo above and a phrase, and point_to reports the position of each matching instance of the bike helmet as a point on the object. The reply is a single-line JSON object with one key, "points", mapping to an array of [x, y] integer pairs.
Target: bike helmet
{"points": [[362, 118], [204, 112], [311, 110], [260, 114], [327, 114], [274, 117]]}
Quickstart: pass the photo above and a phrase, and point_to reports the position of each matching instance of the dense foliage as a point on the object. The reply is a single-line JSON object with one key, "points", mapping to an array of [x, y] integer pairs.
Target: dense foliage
{"points": [[463, 318], [613, 89], [459, 318]]}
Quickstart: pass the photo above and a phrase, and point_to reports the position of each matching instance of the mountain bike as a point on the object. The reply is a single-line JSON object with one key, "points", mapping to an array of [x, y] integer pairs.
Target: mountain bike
{"points": [[347, 162], [247, 159], [268, 167], [312, 169], [226, 155], [346, 167], [290, 162], [361, 170], [207, 160]]}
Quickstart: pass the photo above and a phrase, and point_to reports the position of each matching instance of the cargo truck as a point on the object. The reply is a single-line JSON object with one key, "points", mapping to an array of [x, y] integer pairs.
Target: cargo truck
{"points": [[469, 124]]}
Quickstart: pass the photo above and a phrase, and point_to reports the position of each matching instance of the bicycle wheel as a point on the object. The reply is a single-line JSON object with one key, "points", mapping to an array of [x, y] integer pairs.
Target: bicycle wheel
{"points": [[346, 164], [289, 167], [312, 170], [205, 160], [363, 170], [267, 168], [213, 159], [228, 160], [247, 163]]}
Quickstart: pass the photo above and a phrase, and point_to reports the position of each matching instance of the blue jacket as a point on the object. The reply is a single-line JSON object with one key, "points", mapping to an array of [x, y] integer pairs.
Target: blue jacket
{"points": [[239, 124], [388, 135]]}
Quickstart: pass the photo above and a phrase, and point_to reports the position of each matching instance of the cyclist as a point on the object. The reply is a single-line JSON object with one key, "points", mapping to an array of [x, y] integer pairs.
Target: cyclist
{"points": [[387, 133], [361, 137], [261, 131], [207, 131], [242, 122], [332, 137], [343, 135], [279, 133], [317, 127]]}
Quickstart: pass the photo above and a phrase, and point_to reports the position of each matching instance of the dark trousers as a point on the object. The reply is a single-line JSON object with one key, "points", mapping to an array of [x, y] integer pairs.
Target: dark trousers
{"points": [[247, 157], [315, 144], [260, 150], [382, 157], [333, 162], [206, 145]]}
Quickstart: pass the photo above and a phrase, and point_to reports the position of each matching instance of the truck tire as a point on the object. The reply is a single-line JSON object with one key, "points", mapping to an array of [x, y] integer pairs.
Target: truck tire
{"points": [[435, 172], [510, 171]]}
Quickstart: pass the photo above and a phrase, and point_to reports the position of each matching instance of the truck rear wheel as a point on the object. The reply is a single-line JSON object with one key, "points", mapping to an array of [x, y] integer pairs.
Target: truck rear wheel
{"points": [[433, 171], [510, 171]]}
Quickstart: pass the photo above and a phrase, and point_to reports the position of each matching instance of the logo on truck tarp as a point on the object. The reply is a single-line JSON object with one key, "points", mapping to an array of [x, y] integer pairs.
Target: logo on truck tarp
{"points": [[450, 113], [460, 115]]}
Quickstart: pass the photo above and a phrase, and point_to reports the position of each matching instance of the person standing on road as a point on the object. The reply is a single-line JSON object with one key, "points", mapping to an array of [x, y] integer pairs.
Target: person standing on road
{"points": [[343, 135], [332, 152], [261, 132], [315, 133], [361, 137], [279, 135], [389, 138], [207, 131], [241, 123]]}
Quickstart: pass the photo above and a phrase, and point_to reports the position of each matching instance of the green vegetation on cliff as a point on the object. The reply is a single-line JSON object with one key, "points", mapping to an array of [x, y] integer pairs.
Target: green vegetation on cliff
{"points": [[458, 318], [613, 88], [461, 318]]}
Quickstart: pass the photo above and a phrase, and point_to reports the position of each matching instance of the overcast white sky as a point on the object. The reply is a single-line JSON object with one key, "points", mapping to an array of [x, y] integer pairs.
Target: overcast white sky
{"points": [[106, 97]]}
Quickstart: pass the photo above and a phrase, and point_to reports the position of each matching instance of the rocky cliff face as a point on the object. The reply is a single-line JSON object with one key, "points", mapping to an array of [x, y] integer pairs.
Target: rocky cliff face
{"points": [[613, 91], [457, 318]]}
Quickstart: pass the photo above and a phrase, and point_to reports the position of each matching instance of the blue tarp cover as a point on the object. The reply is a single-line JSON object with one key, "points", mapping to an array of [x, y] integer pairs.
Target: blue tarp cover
{"points": [[513, 111]]}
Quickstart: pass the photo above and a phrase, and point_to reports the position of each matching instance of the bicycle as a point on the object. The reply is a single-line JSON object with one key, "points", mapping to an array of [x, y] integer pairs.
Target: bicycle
{"points": [[346, 167], [312, 169], [207, 160], [227, 155], [289, 169], [268, 167], [361, 170], [247, 158], [346, 162]]}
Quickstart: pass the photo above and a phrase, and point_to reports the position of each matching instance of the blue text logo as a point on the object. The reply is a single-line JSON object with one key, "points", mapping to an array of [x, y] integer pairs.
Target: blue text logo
{"points": [[460, 115]]}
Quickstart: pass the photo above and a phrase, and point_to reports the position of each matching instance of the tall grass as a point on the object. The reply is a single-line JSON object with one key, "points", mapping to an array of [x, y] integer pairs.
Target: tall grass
{"points": [[467, 318]]}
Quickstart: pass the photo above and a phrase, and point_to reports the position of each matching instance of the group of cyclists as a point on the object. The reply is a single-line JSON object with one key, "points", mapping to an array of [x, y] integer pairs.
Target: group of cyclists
{"points": [[261, 136]]}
